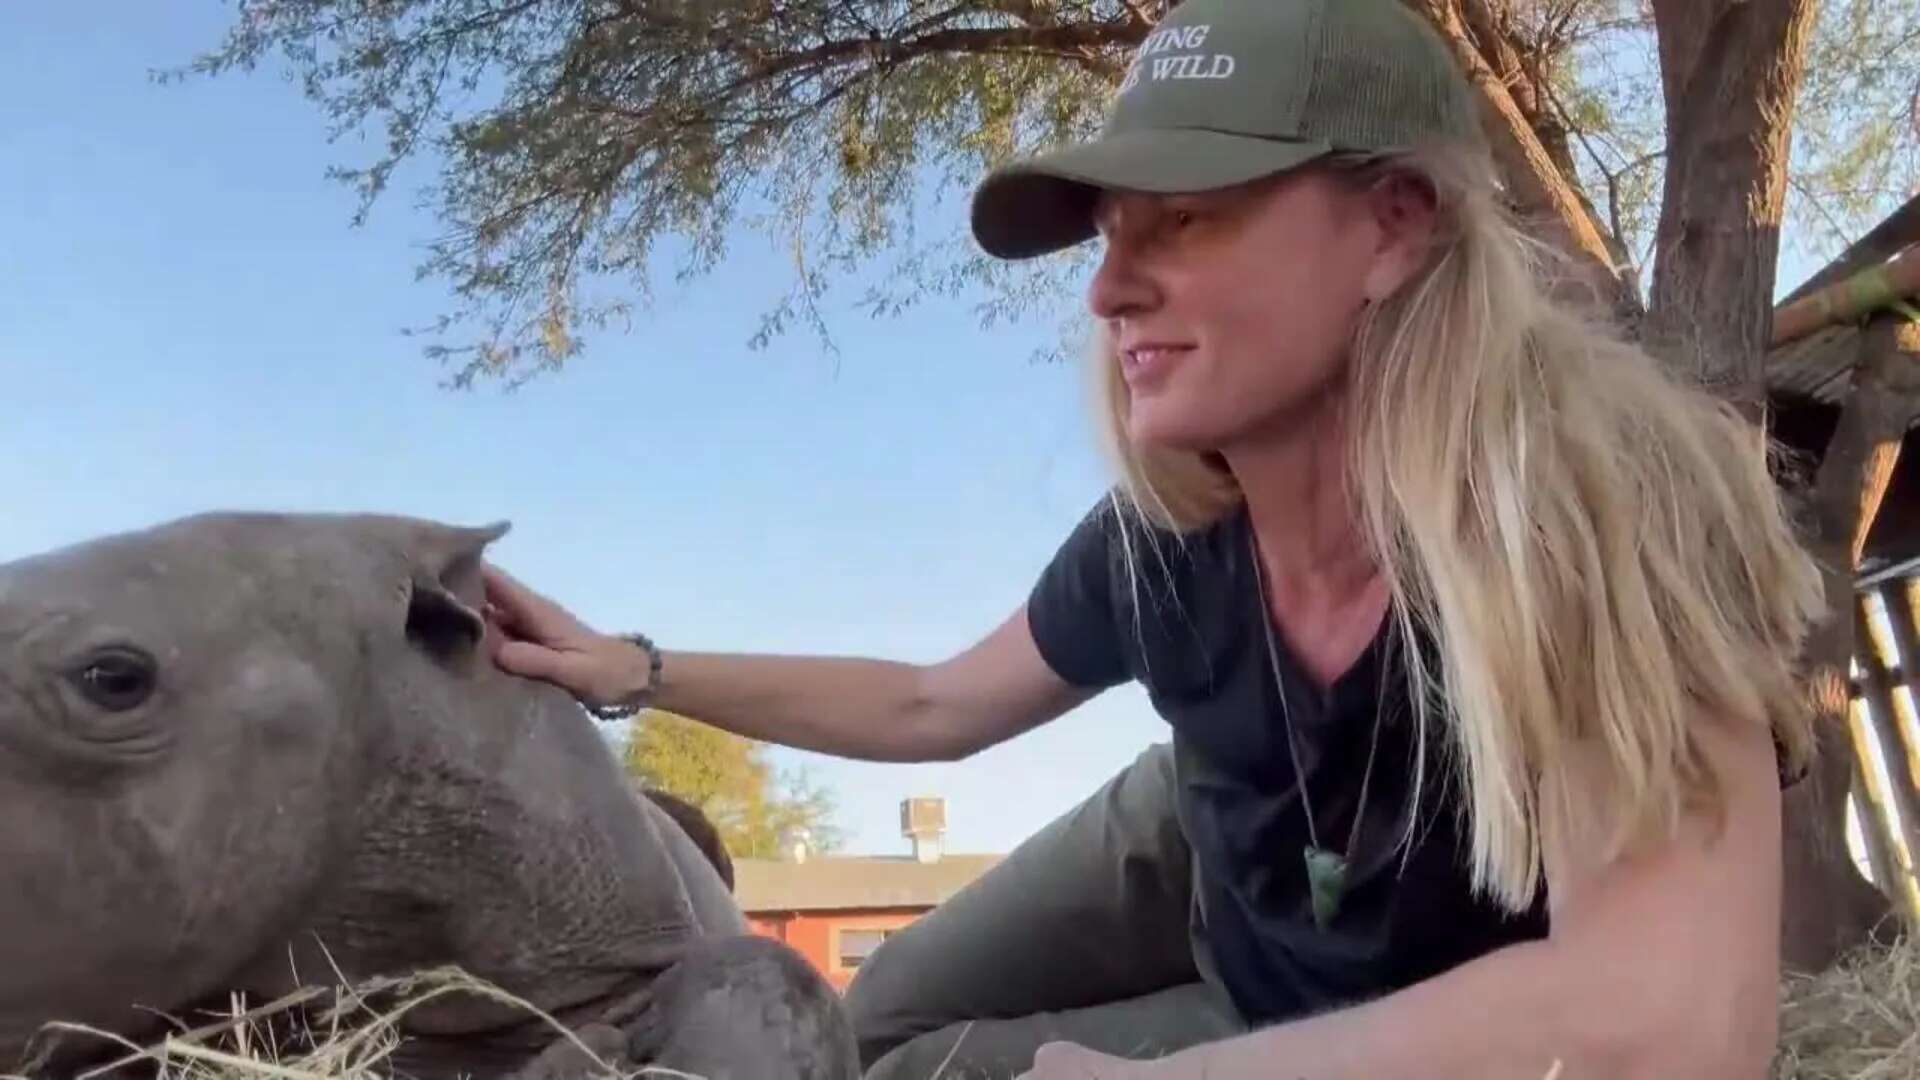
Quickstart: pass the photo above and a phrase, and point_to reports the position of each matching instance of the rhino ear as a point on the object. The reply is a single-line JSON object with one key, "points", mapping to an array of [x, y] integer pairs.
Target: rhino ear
{"points": [[443, 605]]}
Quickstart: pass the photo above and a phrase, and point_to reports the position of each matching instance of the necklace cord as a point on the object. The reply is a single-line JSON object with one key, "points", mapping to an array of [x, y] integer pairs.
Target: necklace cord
{"points": [[1286, 720]]}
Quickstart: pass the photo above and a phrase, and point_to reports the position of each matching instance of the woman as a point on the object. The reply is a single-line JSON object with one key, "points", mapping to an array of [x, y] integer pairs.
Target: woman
{"points": [[1475, 632]]}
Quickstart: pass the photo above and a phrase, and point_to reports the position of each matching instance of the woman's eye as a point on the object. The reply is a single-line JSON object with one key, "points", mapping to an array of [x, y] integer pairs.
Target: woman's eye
{"points": [[115, 679], [1182, 218]]}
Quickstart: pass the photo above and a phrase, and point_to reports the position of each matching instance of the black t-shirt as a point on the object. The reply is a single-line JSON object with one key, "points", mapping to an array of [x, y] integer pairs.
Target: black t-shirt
{"points": [[1189, 629]]}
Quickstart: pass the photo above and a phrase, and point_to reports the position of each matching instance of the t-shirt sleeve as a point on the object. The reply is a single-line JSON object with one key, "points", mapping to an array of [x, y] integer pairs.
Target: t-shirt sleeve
{"points": [[1071, 608]]}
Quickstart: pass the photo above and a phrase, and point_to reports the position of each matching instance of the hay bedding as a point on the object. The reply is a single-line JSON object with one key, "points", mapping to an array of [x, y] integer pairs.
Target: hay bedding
{"points": [[1858, 1021], [349, 1033]]}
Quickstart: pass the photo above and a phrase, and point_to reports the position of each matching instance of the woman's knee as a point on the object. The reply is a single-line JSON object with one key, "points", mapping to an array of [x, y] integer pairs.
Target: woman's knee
{"points": [[1033, 934], [882, 1002]]}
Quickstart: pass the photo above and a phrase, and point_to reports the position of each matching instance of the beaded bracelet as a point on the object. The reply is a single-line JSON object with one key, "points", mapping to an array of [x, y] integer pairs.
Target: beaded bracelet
{"points": [[620, 710]]}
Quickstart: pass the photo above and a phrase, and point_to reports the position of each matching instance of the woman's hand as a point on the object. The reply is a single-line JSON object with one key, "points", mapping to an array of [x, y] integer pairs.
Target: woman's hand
{"points": [[537, 638], [1067, 1061]]}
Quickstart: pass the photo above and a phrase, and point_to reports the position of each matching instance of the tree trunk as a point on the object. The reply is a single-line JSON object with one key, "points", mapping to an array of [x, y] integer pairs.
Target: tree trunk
{"points": [[1731, 70], [1544, 198], [1828, 907], [1490, 25]]}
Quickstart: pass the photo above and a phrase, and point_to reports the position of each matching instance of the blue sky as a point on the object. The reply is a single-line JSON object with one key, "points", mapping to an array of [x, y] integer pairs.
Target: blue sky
{"points": [[188, 323]]}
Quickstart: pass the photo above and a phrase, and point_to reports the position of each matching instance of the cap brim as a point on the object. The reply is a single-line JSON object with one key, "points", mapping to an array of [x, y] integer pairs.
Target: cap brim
{"points": [[1046, 203]]}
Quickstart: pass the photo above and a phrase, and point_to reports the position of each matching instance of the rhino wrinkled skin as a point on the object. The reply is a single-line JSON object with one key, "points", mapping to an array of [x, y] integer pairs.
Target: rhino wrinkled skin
{"points": [[252, 752]]}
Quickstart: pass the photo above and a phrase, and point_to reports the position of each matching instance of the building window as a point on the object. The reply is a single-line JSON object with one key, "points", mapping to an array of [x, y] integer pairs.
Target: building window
{"points": [[856, 945]]}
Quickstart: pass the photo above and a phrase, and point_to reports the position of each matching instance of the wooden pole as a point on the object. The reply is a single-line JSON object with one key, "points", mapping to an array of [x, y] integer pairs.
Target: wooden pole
{"points": [[1896, 800], [1870, 813], [1871, 798], [1902, 651], [1896, 231], [1869, 290]]}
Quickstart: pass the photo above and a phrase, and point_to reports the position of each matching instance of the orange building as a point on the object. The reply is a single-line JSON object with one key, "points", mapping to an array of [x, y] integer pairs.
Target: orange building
{"points": [[835, 910]]}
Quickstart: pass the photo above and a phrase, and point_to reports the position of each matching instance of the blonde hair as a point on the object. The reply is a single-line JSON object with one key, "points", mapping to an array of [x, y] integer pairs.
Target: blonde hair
{"points": [[1597, 550]]}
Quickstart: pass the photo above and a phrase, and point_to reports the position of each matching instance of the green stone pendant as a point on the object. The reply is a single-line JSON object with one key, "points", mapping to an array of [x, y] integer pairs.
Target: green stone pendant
{"points": [[1326, 883]]}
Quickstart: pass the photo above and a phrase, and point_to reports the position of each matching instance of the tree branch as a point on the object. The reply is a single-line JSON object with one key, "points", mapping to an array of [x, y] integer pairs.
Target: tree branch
{"points": [[1858, 463], [1022, 10], [1618, 240], [1518, 64], [1555, 34], [1544, 196], [1137, 13], [1819, 205], [1080, 43]]}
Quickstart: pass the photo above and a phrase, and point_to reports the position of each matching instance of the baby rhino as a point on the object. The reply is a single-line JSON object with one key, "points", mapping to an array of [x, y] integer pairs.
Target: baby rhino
{"points": [[250, 752]]}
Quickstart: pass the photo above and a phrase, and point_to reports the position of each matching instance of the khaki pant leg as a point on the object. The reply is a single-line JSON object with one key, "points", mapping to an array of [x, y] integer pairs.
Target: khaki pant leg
{"points": [[1095, 908], [1141, 1028]]}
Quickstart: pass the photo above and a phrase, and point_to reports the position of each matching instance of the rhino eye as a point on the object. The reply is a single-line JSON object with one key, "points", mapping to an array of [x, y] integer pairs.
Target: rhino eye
{"points": [[115, 679]]}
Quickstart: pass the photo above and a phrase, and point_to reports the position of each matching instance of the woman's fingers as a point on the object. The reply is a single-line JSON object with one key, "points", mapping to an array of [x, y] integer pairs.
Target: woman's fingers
{"points": [[527, 613], [534, 637], [527, 658]]}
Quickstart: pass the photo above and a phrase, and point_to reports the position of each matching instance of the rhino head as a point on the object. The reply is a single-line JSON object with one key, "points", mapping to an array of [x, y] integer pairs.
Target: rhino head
{"points": [[251, 751]]}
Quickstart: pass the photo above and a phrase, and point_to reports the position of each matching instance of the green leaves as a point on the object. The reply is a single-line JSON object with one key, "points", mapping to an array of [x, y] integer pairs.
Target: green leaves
{"points": [[730, 780], [572, 137], [1856, 152], [573, 141]]}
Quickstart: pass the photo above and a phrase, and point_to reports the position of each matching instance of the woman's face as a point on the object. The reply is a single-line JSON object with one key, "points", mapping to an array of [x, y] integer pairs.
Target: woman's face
{"points": [[1230, 313]]}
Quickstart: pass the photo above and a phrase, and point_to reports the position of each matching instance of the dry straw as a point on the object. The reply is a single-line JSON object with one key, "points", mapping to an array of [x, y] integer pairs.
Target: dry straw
{"points": [[1858, 1021], [317, 1034]]}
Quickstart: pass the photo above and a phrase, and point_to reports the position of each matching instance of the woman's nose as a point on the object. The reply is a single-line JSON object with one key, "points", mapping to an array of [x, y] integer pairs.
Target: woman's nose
{"points": [[1121, 285]]}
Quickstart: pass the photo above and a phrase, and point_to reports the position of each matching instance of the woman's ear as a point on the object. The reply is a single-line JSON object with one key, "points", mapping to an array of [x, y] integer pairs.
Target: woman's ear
{"points": [[1404, 209]]}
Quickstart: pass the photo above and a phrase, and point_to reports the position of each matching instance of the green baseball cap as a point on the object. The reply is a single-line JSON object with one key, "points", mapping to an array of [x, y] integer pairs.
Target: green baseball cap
{"points": [[1224, 92]]}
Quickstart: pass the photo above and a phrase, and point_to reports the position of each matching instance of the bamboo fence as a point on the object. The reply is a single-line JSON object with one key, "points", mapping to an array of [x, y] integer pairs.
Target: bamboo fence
{"points": [[1885, 830]]}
